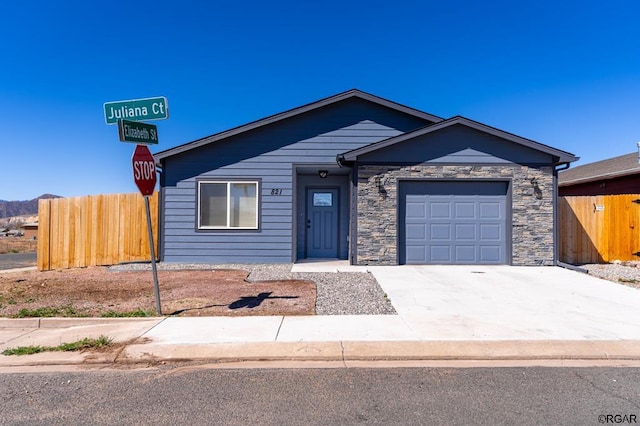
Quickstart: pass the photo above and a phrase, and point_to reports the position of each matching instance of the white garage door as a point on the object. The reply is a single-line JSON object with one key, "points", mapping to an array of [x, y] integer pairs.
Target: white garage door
{"points": [[452, 222]]}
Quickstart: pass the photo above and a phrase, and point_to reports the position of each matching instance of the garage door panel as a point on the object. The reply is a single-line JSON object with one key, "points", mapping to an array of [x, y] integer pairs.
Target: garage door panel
{"points": [[465, 231], [439, 210], [453, 222], [440, 254], [440, 231], [416, 210], [490, 231], [416, 232], [490, 253], [465, 254], [466, 210], [416, 254], [491, 210]]}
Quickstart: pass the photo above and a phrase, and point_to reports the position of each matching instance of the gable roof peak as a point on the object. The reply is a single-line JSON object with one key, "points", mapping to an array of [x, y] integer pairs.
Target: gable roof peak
{"points": [[349, 94], [561, 156]]}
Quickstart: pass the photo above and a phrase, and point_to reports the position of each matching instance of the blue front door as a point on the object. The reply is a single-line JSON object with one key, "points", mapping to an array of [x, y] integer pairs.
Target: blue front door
{"points": [[322, 222]]}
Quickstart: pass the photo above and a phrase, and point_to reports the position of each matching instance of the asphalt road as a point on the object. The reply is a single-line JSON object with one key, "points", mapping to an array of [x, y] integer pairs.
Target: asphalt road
{"points": [[425, 396], [17, 260]]}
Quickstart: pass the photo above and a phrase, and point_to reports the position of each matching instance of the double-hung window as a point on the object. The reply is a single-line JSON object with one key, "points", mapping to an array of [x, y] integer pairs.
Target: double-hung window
{"points": [[227, 204]]}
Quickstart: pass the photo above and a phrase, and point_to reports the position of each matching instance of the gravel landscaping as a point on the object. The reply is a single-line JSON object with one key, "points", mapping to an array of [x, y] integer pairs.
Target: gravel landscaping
{"points": [[627, 273], [342, 293]]}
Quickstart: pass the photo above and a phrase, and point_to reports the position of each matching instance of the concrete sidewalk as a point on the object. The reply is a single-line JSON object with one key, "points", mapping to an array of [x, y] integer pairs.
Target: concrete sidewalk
{"points": [[444, 313]]}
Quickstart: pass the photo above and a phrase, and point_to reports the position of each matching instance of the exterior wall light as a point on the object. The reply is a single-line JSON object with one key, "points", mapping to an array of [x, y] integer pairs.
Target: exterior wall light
{"points": [[323, 173], [536, 188], [378, 182]]}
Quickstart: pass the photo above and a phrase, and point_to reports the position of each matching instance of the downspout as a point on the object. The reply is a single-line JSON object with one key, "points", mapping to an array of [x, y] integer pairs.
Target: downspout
{"points": [[160, 170], [556, 254]]}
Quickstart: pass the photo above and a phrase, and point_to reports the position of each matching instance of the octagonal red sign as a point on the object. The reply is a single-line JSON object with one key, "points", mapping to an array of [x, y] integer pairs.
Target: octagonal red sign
{"points": [[144, 170]]}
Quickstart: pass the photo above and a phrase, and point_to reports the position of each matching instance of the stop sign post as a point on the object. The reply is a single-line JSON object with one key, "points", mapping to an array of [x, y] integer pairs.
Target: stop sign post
{"points": [[144, 175]]}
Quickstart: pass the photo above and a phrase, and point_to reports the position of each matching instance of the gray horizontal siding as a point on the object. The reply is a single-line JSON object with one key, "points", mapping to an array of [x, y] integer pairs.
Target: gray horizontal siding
{"points": [[236, 245], [229, 236], [268, 155], [231, 258]]}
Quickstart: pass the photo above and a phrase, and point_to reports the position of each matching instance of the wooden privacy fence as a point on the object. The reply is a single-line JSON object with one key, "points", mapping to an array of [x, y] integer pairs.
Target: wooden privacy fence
{"points": [[596, 229], [95, 230]]}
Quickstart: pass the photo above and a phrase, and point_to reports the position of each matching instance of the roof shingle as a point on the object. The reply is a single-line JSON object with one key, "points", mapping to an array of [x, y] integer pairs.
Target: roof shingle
{"points": [[606, 169]]}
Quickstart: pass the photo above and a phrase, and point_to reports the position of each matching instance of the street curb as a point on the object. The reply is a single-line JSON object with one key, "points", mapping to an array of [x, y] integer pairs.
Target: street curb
{"points": [[384, 351], [344, 352], [15, 270], [19, 323], [494, 350], [59, 322], [80, 322]]}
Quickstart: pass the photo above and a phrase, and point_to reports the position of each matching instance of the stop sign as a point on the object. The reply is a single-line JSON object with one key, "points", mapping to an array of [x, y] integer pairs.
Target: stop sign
{"points": [[144, 170]]}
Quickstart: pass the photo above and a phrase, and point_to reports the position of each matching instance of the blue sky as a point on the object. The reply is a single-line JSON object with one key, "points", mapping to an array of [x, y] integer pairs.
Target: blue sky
{"points": [[566, 74]]}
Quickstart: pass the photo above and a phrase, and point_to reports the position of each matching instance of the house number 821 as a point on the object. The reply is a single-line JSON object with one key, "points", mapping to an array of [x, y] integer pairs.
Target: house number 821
{"points": [[276, 191]]}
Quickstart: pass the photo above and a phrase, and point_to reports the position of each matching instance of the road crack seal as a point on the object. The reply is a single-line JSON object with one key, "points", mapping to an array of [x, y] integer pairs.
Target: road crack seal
{"points": [[605, 391]]}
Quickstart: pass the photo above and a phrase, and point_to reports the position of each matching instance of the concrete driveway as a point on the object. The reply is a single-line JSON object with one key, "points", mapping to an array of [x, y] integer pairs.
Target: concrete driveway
{"points": [[510, 303]]}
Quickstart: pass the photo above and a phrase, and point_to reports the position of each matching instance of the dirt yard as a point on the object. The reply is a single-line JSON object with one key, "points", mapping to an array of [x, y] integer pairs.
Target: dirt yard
{"points": [[96, 291]]}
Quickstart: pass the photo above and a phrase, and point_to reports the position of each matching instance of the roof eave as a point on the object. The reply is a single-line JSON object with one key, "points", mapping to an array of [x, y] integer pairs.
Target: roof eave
{"points": [[605, 176]]}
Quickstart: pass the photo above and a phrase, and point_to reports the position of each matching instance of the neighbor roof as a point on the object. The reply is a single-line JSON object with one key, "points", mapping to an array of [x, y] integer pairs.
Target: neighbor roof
{"points": [[562, 156], [354, 93], [600, 170]]}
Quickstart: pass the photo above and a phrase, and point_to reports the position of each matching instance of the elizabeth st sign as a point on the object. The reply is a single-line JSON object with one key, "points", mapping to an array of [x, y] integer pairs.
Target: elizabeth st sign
{"points": [[134, 131]]}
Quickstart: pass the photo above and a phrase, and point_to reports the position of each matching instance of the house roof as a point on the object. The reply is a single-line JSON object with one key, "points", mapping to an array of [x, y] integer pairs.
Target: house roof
{"points": [[610, 168], [354, 93], [562, 156]]}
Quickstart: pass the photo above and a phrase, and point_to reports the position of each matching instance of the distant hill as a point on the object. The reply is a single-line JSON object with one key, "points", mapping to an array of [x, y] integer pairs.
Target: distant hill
{"points": [[22, 208]]}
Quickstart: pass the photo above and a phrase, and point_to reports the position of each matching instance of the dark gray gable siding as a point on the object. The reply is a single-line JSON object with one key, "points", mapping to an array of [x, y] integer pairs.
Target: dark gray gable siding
{"points": [[267, 154], [559, 156], [457, 144]]}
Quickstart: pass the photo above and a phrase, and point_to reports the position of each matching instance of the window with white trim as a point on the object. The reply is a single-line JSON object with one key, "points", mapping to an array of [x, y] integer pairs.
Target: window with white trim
{"points": [[227, 205]]}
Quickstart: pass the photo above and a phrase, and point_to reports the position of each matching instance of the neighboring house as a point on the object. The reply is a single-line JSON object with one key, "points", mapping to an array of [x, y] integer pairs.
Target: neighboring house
{"points": [[613, 176], [358, 177], [30, 230]]}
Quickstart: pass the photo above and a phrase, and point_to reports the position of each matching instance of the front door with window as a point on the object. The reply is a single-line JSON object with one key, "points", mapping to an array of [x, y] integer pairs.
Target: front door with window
{"points": [[322, 222]]}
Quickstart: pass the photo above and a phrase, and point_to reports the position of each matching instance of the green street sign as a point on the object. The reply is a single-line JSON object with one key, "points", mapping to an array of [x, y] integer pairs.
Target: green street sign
{"points": [[136, 110], [134, 131]]}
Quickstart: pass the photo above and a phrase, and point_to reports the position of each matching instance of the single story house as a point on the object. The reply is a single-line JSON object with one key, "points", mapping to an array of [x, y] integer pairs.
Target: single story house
{"points": [[358, 177], [30, 230], [613, 176]]}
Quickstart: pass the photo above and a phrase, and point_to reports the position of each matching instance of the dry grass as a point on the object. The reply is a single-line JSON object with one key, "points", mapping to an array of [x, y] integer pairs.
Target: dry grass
{"points": [[17, 245]]}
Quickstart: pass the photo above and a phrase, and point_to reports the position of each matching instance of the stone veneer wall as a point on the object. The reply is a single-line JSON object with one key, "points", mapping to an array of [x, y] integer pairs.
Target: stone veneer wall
{"points": [[531, 207]]}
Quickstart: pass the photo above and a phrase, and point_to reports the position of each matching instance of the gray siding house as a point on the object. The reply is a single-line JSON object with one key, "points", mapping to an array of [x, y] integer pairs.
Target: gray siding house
{"points": [[358, 177]]}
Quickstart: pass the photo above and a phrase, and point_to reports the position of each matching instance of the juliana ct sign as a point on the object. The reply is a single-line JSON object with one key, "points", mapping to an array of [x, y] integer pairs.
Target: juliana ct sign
{"points": [[136, 110]]}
